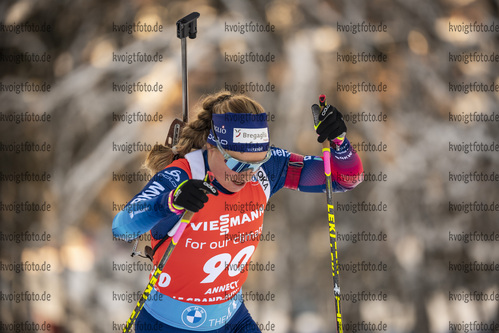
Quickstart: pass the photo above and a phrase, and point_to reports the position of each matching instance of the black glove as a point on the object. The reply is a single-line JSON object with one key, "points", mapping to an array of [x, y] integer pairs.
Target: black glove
{"points": [[192, 194], [331, 124]]}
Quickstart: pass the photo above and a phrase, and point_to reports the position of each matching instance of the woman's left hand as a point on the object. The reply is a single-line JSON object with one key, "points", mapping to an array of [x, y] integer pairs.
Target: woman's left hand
{"points": [[331, 125]]}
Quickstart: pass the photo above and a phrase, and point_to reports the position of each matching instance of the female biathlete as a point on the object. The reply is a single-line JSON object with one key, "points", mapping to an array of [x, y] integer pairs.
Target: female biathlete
{"points": [[200, 287]]}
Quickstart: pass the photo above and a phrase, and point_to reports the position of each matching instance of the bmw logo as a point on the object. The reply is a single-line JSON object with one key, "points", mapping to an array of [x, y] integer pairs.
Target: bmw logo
{"points": [[194, 316]]}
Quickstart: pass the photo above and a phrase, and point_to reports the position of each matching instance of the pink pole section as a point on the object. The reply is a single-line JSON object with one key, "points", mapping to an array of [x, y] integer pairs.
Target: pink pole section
{"points": [[179, 232], [326, 153]]}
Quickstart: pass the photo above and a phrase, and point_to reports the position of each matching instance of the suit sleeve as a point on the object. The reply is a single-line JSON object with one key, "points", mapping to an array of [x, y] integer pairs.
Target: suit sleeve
{"points": [[346, 168], [147, 210]]}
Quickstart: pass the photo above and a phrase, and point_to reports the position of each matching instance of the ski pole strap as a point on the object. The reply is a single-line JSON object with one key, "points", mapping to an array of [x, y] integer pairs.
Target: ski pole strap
{"points": [[171, 205], [295, 166], [150, 252]]}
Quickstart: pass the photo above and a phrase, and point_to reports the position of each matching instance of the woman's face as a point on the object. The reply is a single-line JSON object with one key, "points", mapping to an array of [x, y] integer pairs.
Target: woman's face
{"points": [[231, 180]]}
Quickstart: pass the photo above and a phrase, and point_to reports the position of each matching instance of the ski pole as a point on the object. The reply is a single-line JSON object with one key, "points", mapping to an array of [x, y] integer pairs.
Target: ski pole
{"points": [[326, 152], [184, 222], [186, 26]]}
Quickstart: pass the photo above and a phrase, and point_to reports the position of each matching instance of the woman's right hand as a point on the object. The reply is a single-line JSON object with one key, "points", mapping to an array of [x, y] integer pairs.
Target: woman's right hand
{"points": [[192, 194]]}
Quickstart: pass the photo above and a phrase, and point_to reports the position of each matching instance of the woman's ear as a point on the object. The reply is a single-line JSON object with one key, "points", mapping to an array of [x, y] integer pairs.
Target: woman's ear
{"points": [[211, 149]]}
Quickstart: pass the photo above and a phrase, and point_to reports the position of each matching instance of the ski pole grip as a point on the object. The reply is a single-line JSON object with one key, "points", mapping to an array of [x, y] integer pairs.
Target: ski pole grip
{"points": [[188, 26], [322, 100], [209, 177]]}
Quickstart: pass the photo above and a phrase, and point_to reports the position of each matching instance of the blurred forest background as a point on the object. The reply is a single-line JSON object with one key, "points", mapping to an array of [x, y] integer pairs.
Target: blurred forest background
{"points": [[418, 284]]}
